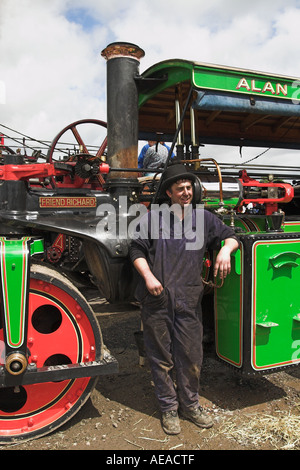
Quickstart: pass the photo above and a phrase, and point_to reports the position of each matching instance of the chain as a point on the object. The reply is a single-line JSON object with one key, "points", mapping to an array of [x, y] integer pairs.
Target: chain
{"points": [[213, 284]]}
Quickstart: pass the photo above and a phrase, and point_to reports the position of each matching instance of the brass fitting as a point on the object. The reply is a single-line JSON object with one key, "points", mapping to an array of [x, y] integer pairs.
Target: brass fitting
{"points": [[16, 363]]}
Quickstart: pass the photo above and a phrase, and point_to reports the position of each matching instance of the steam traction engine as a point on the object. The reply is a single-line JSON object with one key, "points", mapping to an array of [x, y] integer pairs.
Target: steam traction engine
{"points": [[64, 217]]}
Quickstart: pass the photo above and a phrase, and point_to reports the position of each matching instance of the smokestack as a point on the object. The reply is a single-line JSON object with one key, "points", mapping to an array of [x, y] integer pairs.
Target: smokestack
{"points": [[123, 61]]}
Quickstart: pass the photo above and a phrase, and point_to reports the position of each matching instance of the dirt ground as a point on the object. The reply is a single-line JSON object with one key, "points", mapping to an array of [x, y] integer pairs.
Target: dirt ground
{"points": [[121, 414]]}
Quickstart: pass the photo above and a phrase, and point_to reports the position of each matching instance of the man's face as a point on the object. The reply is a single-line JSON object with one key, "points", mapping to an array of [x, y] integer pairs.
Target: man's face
{"points": [[181, 192]]}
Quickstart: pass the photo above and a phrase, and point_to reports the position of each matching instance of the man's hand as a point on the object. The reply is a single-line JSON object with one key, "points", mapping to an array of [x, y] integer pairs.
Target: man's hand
{"points": [[222, 263], [152, 283]]}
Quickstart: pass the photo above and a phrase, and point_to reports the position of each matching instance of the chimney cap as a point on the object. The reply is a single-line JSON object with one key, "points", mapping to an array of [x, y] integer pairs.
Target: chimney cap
{"points": [[122, 49]]}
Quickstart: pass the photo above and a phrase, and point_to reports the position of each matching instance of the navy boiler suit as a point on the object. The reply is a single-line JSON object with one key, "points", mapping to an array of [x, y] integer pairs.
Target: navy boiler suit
{"points": [[172, 321]]}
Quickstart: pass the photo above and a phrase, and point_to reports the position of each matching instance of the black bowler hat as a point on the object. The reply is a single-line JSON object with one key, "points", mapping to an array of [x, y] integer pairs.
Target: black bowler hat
{"points": [[174, 173]]}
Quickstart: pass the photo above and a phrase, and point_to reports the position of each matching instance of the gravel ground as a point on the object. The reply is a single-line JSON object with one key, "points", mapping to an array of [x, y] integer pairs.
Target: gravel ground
{"points": [[122, 414]]}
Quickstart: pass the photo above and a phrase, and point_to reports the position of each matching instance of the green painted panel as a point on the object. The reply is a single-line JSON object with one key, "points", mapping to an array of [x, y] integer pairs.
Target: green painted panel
{"points": [[176, 71], [292, 227], [36, 246], [14, 266], [221, 78], [244, 81], [211, 202], [228, 314], [275, 303]]}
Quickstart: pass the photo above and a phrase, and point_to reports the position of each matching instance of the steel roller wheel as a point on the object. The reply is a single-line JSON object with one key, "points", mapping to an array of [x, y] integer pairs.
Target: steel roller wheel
{"points": [[62, 329]]}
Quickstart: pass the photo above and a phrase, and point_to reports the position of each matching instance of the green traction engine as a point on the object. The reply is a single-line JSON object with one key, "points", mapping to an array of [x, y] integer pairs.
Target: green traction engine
{"points": [[63, 216]]}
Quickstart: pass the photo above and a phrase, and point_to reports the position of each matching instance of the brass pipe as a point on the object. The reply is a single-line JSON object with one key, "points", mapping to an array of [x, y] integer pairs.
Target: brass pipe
{"points": [[177, 113], [193, 126]]}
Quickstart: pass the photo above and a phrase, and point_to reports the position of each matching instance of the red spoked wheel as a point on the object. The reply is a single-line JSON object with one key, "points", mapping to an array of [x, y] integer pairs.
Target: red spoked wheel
{"points": [[80, 139], [62, 329]]}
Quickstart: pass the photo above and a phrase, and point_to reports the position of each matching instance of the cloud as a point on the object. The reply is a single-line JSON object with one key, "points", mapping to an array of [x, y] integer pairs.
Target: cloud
{"points": [[52, 71], [50, 51]]}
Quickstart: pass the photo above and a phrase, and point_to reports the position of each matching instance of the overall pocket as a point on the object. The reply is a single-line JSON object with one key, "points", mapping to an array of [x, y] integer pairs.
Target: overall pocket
{"points": [[156, 301]]}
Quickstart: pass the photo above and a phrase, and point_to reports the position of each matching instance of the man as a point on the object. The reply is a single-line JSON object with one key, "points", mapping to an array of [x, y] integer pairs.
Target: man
{"points": [[155, 153], [155, 157], [170, 292]]}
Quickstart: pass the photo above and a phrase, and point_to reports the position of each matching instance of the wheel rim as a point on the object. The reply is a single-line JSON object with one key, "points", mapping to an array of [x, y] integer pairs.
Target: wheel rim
{"points": [[61, 330]]}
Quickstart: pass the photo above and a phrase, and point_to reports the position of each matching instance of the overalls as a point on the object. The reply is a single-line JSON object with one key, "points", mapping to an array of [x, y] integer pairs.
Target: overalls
{"points": [[172, 321]]}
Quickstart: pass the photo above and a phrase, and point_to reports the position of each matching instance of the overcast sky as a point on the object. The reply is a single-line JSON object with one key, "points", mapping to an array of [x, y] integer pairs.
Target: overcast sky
{"points": [[52, 72]]}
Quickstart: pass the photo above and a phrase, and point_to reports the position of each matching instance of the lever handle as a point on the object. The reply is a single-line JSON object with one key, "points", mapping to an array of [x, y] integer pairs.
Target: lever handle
{"points": [[288, 258]]}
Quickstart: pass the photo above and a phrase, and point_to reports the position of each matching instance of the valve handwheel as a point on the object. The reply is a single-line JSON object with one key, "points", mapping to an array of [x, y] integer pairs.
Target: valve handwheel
{"points": [[73, 127]]}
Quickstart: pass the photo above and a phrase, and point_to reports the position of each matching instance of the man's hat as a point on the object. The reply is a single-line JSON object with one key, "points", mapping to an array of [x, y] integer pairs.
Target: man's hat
{"points": [[175, 173]]}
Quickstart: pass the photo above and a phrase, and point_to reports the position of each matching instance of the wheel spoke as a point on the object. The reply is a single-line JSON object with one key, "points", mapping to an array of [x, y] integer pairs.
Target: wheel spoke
{"points": [[79, 140], [102, 148]]}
